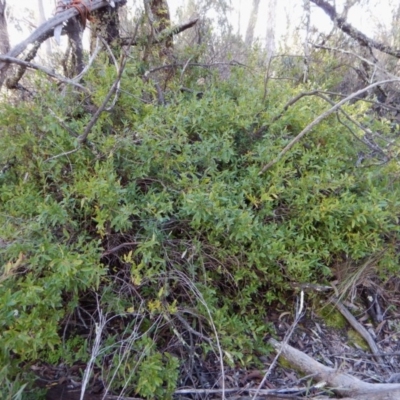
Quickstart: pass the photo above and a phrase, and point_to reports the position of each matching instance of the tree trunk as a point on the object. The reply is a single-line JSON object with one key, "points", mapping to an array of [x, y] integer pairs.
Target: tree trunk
{"points": [[252, 23], [4, 37], [271, 28], [106, 24], [306, 60], [159, 18], [42, 19]]}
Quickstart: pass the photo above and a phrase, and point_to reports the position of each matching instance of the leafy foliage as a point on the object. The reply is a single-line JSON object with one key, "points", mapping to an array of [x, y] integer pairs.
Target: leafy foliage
{"points": [[163, 222]]}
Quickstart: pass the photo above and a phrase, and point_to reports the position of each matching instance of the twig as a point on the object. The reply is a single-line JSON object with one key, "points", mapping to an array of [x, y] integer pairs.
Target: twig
{"points": [[317, 120], [216, 64], [46, 30], [28, 64], [299, 314], [163, 35], [184, 69], [264, 392], [62, 123], [342, 383], [117, 69], [95, 349], [121, 246], [200, 297], [353, 32], [90, 62], [66, 153], [82, 138], [361, 330]]}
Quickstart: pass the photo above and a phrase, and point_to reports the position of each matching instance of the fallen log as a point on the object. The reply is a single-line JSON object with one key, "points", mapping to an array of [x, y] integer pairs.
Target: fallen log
{"points": [[340, 383]]}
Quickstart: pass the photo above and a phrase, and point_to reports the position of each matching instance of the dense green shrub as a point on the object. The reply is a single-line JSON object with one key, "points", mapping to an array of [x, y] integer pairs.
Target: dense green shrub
{"points": [[163, 216]]}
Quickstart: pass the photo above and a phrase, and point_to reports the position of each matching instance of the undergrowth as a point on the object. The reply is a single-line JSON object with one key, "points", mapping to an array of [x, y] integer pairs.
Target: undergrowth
{"points": [[159, 239]]}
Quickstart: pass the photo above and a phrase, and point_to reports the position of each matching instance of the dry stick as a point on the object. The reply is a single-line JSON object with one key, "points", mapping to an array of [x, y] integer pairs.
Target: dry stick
{"points": [[353, 32], [12, 60], [200, 297], [90, 62], [299, 314], [319, 119], [362, 331], [163, 35], [206, 66], [351, 53], [117, 69], [82, 138], [264, 392], [95, 349], [342, 383], [367, 131], [292, 101]]}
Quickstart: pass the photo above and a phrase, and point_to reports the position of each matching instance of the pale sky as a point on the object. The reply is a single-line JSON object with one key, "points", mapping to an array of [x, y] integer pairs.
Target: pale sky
{"points": [[366, 17]]}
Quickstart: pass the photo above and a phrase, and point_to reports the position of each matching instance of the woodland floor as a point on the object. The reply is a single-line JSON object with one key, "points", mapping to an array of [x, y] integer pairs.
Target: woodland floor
{"points": [[322, 333]]}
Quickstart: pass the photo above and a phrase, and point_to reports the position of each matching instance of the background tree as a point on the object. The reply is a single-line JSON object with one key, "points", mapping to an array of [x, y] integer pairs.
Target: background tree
{"points": [[252, 23], [4, 37], [270, 35]]}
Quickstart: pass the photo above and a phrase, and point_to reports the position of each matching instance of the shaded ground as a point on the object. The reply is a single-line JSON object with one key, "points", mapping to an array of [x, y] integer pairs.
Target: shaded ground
{"points": [[322, 333]]}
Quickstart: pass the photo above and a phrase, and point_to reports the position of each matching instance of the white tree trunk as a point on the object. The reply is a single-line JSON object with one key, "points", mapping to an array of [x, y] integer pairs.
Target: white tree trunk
{"points": [[41, 20], [306, 60], [252, 23], [4, 37], [270, 45]]}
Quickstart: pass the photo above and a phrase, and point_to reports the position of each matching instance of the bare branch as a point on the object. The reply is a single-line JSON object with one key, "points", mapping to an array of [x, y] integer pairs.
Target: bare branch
{"points": [[27, 64], [361, 330], [82, 138], [163, 35], [299, 315], [317, 120], [46, 30], [361, 38], [342, 383], [50, 24]]}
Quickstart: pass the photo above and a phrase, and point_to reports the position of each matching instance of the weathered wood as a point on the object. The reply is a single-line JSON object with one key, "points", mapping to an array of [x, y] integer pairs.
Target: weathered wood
{"points": [[45, 31], [361, 38], [341, 383]]}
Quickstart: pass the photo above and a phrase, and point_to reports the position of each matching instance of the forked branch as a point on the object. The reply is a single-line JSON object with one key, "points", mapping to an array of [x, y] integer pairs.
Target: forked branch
{"points": [[320, 118]]}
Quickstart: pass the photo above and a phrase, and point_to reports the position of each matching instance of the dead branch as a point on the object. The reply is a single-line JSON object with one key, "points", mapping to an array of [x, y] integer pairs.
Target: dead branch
{"points": [[299, 315], [320, 118], [47, 71], [163, 35], [361, 38], [82, 138], [361, 330], [46, 30], [341, 383]]}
